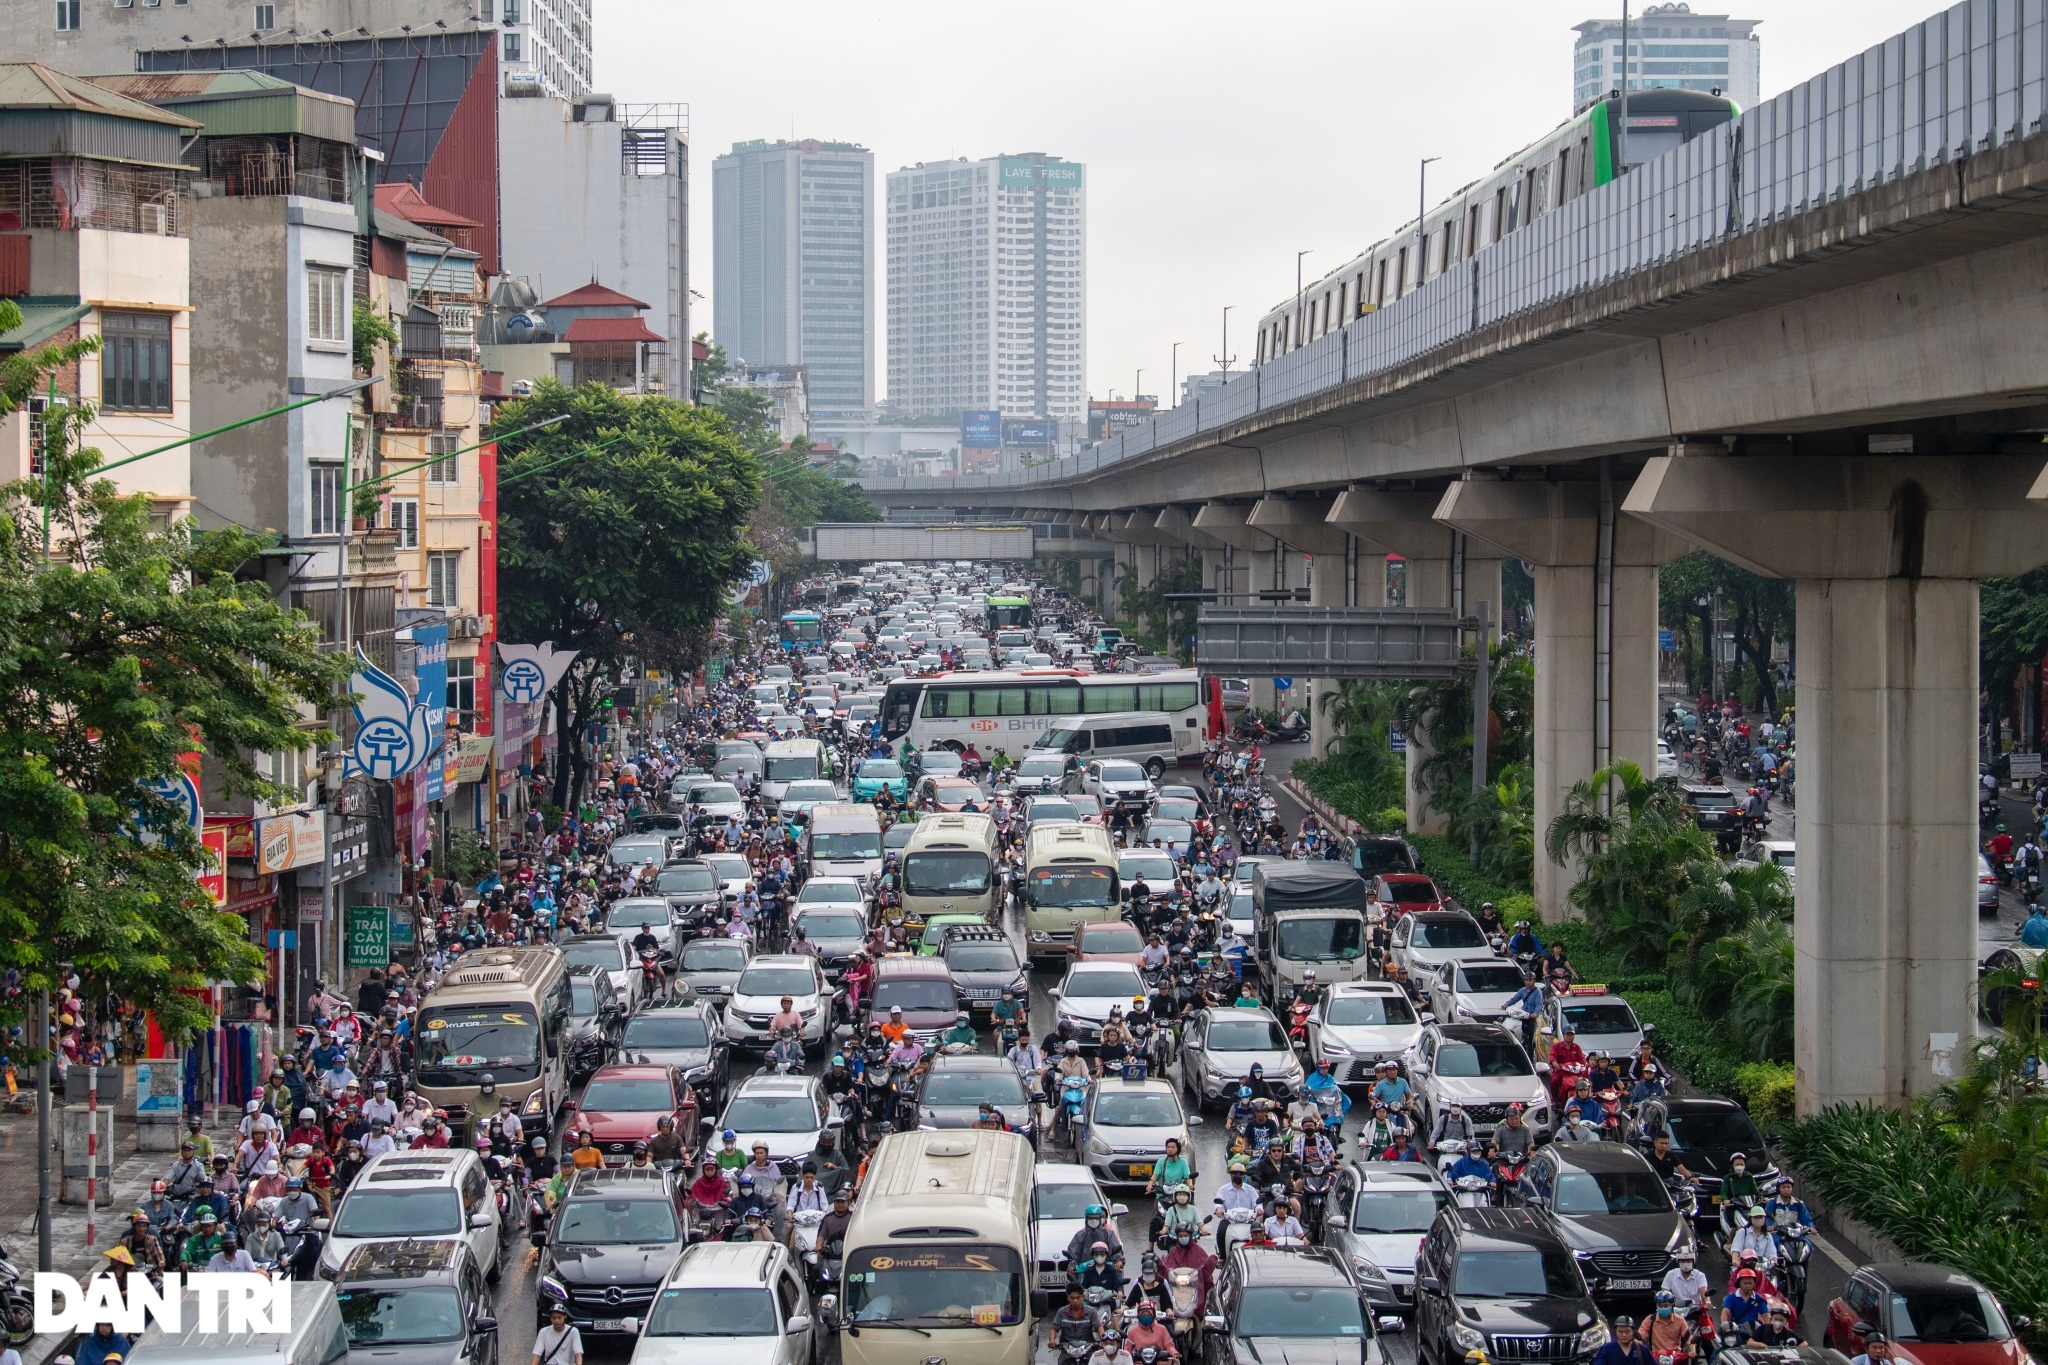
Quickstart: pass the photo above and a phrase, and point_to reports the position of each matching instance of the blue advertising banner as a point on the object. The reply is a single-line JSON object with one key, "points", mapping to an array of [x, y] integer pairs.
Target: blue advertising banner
{"points": [[430, 676], [978, 428]]}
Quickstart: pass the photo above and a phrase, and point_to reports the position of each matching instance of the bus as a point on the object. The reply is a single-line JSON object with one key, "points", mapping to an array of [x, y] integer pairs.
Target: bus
{"points": [[938, 1256], [1070, 878], [502, 1013], [1008, 613], [1009, 711], [949, 867], [802, 630]]}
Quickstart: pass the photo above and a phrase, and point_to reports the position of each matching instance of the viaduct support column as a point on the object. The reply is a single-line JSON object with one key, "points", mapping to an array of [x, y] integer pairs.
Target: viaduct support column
{"points": [[1252, 560], [1303, 523], [1596, 699], [1886, 552]]}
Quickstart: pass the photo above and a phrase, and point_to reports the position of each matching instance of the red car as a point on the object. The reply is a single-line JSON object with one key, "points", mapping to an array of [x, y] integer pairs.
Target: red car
{"points": [[1933, 1315], [1111, 941], [624, 1103], [1407, 893]]}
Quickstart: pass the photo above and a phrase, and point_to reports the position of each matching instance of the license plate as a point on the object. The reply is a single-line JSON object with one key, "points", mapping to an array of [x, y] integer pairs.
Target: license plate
{"points": [[1717, 1199], [1052, 1279], [1404, 1291], [1628, 1284], [609, 1325], [1139, 1168]]}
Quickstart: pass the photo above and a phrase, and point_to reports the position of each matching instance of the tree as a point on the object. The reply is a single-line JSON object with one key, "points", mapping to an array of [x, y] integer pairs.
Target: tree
{"points": [[1758, 611], [133, 648], [1642, 854], [2012, 633], [620, 531]]}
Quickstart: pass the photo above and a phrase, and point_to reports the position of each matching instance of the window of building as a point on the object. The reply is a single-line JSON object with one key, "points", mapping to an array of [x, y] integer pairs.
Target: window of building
{"points": [[266, 18], [511, 11], [67, 16], [444, 578], [512, 48], [405, 519], [444, 471], [135, 362], [327, 304], [323, 500], [462, 691]]}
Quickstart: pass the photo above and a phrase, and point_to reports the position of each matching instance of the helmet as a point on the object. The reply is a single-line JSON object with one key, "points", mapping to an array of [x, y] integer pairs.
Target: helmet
{"points": [[1665, 1298], [1244, 1092], [540, 1144], [307, 1116], [729, 1136], [1624, 1320], [1095, 1211]]}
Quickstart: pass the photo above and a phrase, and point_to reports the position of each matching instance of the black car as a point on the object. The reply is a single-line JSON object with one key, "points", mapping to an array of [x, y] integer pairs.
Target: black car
{"points": [[2018, 971], [416, 1302], [1705, 1135], [596, 1018], [1293, 1304], [1614, 1212], [613, 1238], [1715, 810], [1502, 1281], [694, 895], [690, 1038]]}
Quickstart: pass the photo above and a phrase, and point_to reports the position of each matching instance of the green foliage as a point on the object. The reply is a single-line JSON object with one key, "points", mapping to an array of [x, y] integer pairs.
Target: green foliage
{"points": [[1503, 812], [1642, 853], [1767, 1091], [1361, 800], [1443, 858], [135, 645], [1164, 626], [2012, 634], [1755, 610], [469, 856], [368, 327]]}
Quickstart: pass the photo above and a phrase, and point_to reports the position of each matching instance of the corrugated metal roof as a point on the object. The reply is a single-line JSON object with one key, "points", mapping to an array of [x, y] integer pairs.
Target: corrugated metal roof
{"points": [[405, 230], [31, 85], [41, 319], [241, 103], [407, 202], [611, 329]]}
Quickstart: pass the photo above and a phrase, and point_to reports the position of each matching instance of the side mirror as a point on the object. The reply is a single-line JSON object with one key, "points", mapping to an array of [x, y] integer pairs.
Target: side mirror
{"points": [[1428, 1284], [1426, 1016], [569, 1104], [1117, 1210], [322, 1224], [1543, 1068], [801, 1322], [480, 1221], [1194, 1120], [1216, 1322], [485, 1325]]}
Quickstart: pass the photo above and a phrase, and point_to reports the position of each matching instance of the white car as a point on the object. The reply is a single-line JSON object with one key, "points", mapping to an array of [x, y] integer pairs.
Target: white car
{"points": [[1061, 1192], [1359, 1023], [1482, 1069], [616, 956], [731, 1301], [841, 891], [1474, 992], [1118, 782], [1600, 1022], [1667, 762], [789, 1113], [417, 1194], [1127, 1126], [735, 874], [1091, 991], [757, 997], [1378, 1216], [1424, 940], [799, 797], [718, 801], [1785, 853]]}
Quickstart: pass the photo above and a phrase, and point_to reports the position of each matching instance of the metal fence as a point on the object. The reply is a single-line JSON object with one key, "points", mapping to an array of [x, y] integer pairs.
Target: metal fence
{"points": [[1970, 79]]}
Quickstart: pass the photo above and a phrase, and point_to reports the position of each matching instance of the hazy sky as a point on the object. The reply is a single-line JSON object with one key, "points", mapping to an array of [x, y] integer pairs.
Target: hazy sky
{"points": [[1219, 138]]}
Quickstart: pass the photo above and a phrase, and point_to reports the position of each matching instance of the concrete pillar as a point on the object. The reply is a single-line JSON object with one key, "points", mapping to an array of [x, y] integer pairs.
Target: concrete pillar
{"points": [[1886, 552], [1555, 527], [1327, 588], [1252, 556]]}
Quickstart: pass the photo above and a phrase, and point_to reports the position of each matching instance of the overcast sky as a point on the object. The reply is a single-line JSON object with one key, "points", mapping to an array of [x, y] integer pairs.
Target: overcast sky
{"points": [[1220, 138]]}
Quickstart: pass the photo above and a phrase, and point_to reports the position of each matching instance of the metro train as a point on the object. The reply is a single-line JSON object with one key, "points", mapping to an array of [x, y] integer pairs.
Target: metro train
{"points": [[1580, 154]]}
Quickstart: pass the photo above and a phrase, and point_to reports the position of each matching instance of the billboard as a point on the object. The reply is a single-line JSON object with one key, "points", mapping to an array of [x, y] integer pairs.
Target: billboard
{"points": [[1029, 433], [1059, 175], [978, 428], [430, 687]]}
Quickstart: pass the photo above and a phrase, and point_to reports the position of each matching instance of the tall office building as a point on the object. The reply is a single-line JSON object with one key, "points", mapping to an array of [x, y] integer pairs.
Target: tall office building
{"points": [[988, 287], [792, 259], [1670, 48]]}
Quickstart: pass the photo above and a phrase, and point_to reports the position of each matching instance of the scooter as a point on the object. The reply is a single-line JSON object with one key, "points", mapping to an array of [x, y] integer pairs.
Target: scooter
{"points": [[804, 1232], [1183, 1292], [1472, 1192], [1073, 1099], [1795, 1249]]}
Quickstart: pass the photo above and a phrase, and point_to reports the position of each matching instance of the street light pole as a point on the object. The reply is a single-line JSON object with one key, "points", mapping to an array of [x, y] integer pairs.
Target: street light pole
{"points": [[1138, 385], [1421, 212], [1173, 388], [1295, 340], [1225, 359]]}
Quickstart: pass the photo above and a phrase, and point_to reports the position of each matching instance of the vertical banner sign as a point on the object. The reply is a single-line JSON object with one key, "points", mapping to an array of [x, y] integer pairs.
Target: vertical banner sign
{"points": [[369, 935], [527, 672], [215, 877], [391, 728], [430, 682], [486, 580]]}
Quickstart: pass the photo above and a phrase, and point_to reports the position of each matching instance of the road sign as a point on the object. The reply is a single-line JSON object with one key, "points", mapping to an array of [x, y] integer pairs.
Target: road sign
{"points": [[1667, 641], [369, 935], [1397, 739], [2025, 766], [1283, 684], [282, 938], [714, 672]]}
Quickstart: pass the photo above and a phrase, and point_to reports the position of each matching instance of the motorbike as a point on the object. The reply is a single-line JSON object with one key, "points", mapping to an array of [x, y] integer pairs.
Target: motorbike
{"points": [[1237, 1227], [1610, 1117], [1472, 1192], [804, 1233], [1073, 1099], [300, 1256], [650, 974], [1297, 1023], [17, 1307], [1183, 1292], [1315, 1198], [537, 1212], [1795, 1249]]}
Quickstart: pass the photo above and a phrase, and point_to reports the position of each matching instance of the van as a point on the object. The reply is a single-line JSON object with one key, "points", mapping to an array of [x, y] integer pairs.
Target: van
{"points": [[1070, 878], [791, 760], [422, 1194], [949, 867], [923, 986], [938, 1257], [1148, 738], [501, 1013], [844, 839], [317, 1336]]}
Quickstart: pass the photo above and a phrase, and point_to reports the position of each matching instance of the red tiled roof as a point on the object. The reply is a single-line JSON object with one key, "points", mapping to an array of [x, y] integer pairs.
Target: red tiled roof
{"points": [[610, 329], [408, 203], [593, 295]]}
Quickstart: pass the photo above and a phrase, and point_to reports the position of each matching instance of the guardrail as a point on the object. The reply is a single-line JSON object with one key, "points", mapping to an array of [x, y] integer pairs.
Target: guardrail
{"points": [[1969, 79]]}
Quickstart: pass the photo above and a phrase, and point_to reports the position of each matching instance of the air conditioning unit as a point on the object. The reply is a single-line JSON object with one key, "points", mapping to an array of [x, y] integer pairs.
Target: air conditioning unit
{"points": [[466, 628], [154, 219]]}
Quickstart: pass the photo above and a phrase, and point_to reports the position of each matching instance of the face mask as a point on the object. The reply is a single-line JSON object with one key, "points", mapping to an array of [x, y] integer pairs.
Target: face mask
{"points": [[1145, 1318], [1663, 1312], [1237, 1177], [1740, 1168]]}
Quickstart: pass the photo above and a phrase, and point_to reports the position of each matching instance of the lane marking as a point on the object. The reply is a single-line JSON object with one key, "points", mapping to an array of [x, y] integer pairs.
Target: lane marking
{"points": [[1847, 1267]]}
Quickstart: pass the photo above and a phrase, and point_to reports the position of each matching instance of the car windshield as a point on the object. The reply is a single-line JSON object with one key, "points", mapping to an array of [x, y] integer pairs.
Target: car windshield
{"points": [[798, 792], [1413, 893], [1715, 1127], [941, 1283], [939, 761], [628, 1094], [1047, 808], [400, 1317], [1447, 933], [1408, 1209], [712, 1313], [639, 914], [597, 953], [1945, 1314], [916, 997], [1142, 1109], [881, 770], [1368, 1011], [981, 957], [1321, 940], [1098, 985], [615, 1220], [838, 893], [1299, 1311], [714, 793], [772, 1114], [997, 1085], [898, 834], [792, 768], [714, 957], [1712, 800], [832, 924], [1115, 938], [380, 1215], [953, 872], [455, 1044], [1169, 831], [1615, 1018], [1461, 1058], [1490, 980], [790, 981], [1530, 1274], [582, 998], [1155, 868], [1063, 1201], [1176, 810], [690, 877], [1247, 1034], [1121, 772], [1043, 766], [670, 1030], [860, 843], [1600, 1192], [1068, 886]]}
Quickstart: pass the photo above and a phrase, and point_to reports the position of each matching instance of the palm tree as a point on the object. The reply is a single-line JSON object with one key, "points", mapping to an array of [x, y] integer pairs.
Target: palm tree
{"points": [[1641, 853]]}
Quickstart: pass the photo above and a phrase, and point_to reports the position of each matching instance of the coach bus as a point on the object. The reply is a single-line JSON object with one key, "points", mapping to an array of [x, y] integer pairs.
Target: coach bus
{"points": [[1009, 711], [1008, 613]]}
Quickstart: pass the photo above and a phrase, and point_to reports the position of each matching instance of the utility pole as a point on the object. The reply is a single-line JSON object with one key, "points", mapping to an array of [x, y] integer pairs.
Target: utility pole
{"points": [[1296, 339], [44, 1208], [1421, 212], [1225, 359], [1173, 389]]}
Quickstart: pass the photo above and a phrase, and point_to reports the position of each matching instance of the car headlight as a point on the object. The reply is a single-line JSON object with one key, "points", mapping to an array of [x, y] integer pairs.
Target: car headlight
{"points": [[807, 1014], [1040, 936], [536, 1103], [1593, 1338], [1333, 1048], [1369, 1269], [1463, 1012], [1540, 1114], [1467, 1338], [550, 1287]]}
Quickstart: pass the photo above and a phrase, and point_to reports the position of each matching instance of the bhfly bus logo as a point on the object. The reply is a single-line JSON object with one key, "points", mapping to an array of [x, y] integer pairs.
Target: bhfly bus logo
{"points": [[254, 1303]]}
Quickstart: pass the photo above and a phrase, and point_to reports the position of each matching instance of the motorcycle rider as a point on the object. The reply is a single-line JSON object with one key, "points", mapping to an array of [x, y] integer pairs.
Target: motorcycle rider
{"points": [[1740, 1189], [1686, 1284], [1668, 1333], [2034, 933], [710, 1192], [1756, 1236], [1322, 1086], [1624, 1349], [1467, 1162], [1743, 1309], [1786, 1205], [1664, 1161], [1283, 1223], [1774, 1331], [1098, 1271], [1514, 1139], [181, 1182], [1452, 1125], [1234, 1194], [1529, 1000], [1187, 1250], [1095, 1228], [1074, 1322], [666, 1144], [1523, 942]]}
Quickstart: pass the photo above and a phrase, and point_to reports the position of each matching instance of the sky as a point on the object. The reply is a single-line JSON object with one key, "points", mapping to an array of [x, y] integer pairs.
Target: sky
{"points": [[1220, 138]]}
